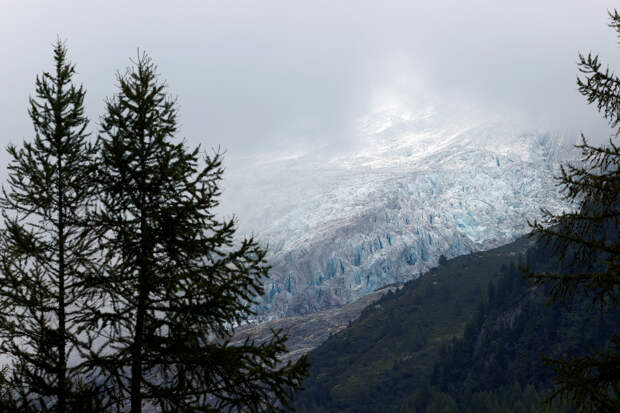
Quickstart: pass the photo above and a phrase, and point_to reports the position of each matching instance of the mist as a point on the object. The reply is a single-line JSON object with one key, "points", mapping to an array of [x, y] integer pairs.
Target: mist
{"points": [[280, 77]]}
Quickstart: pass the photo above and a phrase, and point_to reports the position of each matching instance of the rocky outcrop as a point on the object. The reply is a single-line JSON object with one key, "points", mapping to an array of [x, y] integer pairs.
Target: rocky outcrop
{"points": [[306, 332]]}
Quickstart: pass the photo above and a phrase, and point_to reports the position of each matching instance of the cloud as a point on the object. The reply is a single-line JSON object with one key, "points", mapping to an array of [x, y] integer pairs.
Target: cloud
{"points": [[285, 76]]}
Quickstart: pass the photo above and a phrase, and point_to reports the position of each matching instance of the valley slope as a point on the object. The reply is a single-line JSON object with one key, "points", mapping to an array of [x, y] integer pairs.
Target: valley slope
{"points": [[467, 336]]}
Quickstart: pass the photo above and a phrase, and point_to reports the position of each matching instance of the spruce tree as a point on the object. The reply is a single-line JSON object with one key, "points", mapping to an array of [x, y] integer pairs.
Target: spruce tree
{"points": [[46, 252], [587, 241], [176, 280]]}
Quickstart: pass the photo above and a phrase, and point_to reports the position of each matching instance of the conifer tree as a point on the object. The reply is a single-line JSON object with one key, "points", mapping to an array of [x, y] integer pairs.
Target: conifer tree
{"points": [[588, 242], [45, 251], [176, 281]]}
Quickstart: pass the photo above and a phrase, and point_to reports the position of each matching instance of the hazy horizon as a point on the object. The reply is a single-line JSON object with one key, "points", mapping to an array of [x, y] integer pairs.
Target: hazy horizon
{"points": [[276, 77]]}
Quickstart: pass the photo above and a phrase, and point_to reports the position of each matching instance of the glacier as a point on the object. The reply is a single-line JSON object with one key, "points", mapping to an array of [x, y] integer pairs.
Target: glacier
{"points": [[342, 227]]}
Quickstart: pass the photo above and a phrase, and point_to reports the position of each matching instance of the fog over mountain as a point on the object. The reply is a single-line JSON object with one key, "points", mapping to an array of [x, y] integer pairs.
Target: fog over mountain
{"points": [[425, 184], [274, 76]]}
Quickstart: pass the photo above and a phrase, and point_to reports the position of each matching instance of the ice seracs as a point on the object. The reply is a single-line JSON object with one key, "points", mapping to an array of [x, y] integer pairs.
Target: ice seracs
{"points": [[342, 227]]}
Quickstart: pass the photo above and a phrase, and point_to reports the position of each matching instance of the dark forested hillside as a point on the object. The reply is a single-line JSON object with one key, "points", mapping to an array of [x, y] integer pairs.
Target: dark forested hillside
{"points": [[467, 336]]}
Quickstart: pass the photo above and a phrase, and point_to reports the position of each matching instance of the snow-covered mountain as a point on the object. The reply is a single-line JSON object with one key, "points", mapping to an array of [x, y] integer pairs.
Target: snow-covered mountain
{"points": [[420, 187]]}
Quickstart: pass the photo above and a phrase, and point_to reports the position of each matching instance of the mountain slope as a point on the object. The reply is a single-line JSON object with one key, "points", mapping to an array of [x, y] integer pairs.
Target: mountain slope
{"points": [[394, 344], [466, 336], [306, 332]]}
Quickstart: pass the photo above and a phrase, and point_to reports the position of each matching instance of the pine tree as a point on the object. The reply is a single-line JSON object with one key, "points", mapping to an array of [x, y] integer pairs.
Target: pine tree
{"points": [[176, 281], [442, 260], [46, 252], [588, 242]]}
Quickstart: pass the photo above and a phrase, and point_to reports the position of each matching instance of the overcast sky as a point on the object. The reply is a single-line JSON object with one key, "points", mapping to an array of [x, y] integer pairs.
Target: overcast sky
{"points": [[264, 76]]}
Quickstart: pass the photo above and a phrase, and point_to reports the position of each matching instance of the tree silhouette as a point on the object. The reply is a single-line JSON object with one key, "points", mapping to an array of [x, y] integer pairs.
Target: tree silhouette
{"points": [[587, 241], [176, 282], [46, 251]]}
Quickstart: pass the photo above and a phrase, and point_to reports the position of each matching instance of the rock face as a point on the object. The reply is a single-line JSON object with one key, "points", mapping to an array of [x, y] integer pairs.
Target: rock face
{"points": [[342, 228], [306, 332]]}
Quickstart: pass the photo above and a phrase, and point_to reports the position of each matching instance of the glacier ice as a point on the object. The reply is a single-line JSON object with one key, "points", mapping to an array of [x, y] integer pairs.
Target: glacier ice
{"points": [[340, 228]]}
